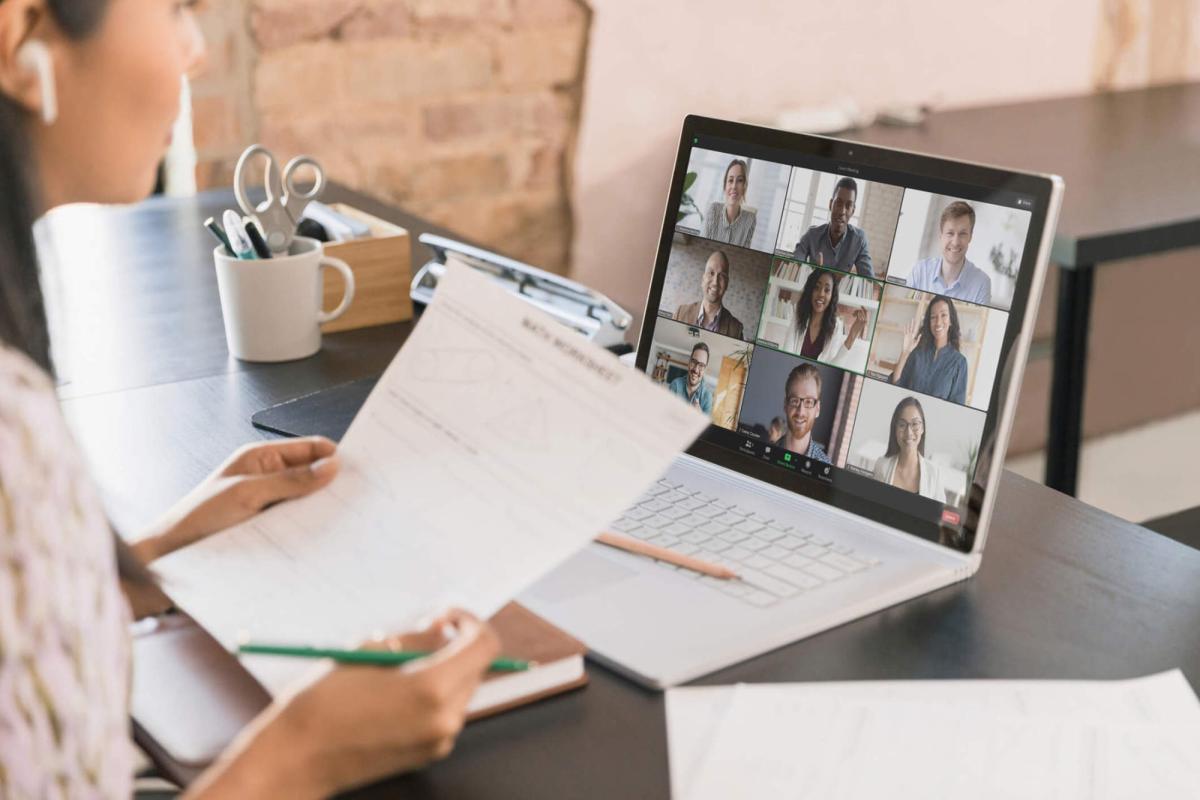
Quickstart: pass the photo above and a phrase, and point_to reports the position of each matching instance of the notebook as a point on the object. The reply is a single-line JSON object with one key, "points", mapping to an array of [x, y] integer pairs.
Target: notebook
{"points": [[191, 696]]}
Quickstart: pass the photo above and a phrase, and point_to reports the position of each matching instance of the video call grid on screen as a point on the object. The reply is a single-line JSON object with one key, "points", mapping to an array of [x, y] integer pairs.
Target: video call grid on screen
{"points": [[894, 298]]}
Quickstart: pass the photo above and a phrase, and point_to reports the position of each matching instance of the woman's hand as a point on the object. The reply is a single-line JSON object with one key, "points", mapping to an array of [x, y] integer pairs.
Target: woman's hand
{"points": [[912, 337], [353, 725], [254, 477]]}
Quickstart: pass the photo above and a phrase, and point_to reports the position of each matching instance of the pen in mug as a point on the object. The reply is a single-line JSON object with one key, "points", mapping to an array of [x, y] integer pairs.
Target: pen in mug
{"points": [[256, 239], [218, 232], [242, 248]]}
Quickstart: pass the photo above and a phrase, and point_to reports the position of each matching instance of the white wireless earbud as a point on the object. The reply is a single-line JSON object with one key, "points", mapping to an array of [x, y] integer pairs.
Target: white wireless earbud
{"points": [[35, 57]]}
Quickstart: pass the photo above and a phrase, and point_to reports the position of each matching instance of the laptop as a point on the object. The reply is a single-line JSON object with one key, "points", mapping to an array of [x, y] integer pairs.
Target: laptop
{"points": [[855, 322]]}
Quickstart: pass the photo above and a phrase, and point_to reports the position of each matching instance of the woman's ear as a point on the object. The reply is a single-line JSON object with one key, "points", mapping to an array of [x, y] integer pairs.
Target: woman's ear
{"points": [[27, 71]]}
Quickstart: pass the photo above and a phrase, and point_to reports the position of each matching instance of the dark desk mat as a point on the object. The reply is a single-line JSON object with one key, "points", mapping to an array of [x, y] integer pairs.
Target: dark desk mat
{"points": [[328, 412]]}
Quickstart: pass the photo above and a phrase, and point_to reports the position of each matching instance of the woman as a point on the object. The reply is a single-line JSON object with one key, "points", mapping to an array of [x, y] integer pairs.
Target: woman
{"points": [[88, 93], [904, 465], [931, 361], [730, 221], [818, 332]]}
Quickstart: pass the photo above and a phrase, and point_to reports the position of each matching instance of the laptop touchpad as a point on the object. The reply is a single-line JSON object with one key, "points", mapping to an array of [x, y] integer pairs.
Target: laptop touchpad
{"points": [[582, 574]]}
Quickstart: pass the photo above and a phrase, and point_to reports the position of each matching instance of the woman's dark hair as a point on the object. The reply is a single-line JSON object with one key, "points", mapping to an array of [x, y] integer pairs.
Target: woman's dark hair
{"points": [[23, 325], [954, 337], [893, 447], [804, 310]]}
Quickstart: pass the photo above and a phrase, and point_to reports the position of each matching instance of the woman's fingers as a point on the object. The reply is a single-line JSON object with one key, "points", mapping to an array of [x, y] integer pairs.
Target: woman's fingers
{"points": [[266, 457], [265, 489]]}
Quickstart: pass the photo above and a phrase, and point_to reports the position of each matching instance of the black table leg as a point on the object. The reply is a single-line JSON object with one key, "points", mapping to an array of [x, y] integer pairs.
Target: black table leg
{"points": [[1065, 436]]}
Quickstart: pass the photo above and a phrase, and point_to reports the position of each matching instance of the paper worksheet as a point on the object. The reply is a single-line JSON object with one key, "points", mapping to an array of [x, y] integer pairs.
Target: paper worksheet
{"points": [[934, 739], [496, 445]]}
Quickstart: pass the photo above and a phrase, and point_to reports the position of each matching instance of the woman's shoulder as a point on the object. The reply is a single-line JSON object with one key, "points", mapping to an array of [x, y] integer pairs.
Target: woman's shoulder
{"points": [[29, 411], [882, 466]]}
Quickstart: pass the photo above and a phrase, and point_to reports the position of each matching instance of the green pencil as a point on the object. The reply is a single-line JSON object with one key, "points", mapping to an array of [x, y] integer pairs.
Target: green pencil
{"points": [[378, 658]]}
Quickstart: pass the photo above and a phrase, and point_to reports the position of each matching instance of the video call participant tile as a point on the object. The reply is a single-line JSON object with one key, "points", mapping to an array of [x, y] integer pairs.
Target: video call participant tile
{"points": [[733, 199], [937, 346], [704, 369], [915, 442], [796, 405], [840, 222], [963, 249], [716, 287], [821, 314]]}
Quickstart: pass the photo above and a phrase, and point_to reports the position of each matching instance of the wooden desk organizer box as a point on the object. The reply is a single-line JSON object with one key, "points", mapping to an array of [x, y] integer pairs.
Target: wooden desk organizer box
{"points": [[382, 267]]}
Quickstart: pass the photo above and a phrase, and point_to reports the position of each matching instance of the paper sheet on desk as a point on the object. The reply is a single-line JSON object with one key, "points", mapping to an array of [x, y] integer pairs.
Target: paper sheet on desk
{"points": [[496, 444], [934, 739]]}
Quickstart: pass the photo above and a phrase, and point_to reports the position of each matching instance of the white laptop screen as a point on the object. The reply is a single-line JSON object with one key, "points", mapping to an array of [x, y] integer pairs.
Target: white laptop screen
{"points": [[843, 314]]}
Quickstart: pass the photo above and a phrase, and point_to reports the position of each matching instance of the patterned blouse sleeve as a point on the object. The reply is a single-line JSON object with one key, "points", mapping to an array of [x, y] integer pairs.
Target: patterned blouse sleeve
{"points": [[64, 647]]}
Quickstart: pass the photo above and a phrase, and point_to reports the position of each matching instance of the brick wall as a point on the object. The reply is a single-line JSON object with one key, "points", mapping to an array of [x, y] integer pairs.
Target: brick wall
{"points": [[462, 111]]}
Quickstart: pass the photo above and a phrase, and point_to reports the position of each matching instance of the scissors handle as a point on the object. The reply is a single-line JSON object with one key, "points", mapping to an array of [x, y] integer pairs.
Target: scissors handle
{"points": [[289, 179], [241, 175]]}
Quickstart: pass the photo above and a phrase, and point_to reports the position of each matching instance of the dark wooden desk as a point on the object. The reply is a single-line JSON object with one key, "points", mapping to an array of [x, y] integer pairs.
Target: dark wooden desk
{"points": [[1066, 591], [1131, 162]]}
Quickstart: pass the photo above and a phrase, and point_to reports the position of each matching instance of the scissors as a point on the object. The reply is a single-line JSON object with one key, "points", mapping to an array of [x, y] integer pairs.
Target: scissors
{"points": [[280, 213]]}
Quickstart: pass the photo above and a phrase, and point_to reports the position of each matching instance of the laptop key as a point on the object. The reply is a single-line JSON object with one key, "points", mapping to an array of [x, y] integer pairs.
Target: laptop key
{"points": [[769, 583], [734, 588], [733, 537], [672, 497], [686, 548], [697, 537], [824, 571], [664, 540], [738, 553], [625, 525], [704, 497], [676, 529], [759, 543], [760, 519], [710, 511], [791, 542], [657, 521], [655, 505], [693, 521], [748, 526], [812, 551], [675, 513], [691, 504], [770, 534], [755, 561], [760, 598], [845, 564], [774, 552], [638, 514], [713, 528], [729, 519], [716, 546], [798, 561], [793, 576], [669, 483]]}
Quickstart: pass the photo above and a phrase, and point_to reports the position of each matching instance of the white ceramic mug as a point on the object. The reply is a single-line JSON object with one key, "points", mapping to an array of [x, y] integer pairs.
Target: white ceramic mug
{"points": [[272, 307]]}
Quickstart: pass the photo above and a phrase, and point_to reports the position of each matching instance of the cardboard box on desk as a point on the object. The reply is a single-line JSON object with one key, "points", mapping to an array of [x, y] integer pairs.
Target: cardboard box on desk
{"points": [[382, 266]]}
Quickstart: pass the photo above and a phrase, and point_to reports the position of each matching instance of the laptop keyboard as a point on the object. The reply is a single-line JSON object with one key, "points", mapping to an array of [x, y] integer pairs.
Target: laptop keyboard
{"points": [[775, 559]]}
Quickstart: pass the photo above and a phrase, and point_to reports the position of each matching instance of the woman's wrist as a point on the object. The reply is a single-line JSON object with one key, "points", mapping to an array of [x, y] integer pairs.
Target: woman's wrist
{"points": [[272, 758]]}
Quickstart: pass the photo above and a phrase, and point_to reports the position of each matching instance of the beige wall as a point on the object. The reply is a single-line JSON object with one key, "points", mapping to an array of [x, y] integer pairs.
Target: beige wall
{"points": [[650, 64]]}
